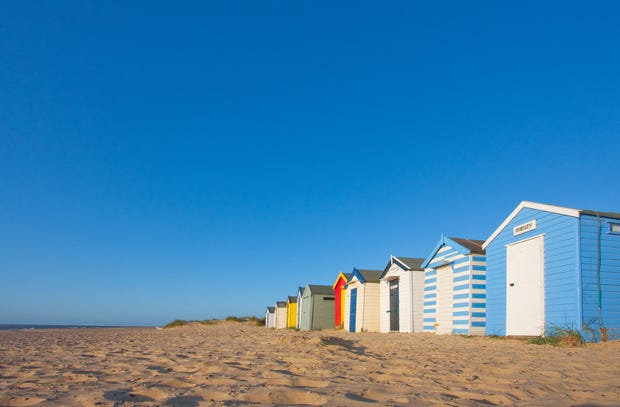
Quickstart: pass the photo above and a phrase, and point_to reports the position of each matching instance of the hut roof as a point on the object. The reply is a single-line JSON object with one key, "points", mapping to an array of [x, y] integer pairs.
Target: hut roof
{"points": [[292, 299], [474, 246], [368, 276], [413, 263], [548, 208], [320, 289], [281, 304]]}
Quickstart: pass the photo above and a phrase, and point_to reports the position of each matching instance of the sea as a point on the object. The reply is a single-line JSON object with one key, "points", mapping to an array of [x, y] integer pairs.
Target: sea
{"points": [[26, 327]]}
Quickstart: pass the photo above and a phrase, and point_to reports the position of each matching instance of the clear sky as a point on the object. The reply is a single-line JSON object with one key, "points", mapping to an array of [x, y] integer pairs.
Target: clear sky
{"points": [[199, 160]]}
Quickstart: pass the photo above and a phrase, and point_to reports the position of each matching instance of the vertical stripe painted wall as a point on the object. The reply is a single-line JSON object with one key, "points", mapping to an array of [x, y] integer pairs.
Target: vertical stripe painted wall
{"points": [[600, 257], [468, 290], [561, 269]]}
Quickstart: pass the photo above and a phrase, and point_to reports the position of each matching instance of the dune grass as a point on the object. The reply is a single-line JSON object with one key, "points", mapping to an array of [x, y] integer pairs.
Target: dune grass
{"points": [[176, 323], [559, 336], [181, 322]]}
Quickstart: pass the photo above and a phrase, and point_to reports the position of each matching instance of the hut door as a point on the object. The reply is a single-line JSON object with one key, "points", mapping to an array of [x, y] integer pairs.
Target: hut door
{"points": [[525, 311], [444, 300], [353, 310], [394, 305]]}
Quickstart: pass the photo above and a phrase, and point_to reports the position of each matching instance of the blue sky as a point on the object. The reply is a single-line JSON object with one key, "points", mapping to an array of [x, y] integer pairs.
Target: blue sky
{"points": [[195, 160]]}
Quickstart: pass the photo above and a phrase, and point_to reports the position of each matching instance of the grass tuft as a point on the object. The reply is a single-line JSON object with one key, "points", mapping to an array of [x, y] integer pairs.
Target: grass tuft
{"points": [[558, 336]]}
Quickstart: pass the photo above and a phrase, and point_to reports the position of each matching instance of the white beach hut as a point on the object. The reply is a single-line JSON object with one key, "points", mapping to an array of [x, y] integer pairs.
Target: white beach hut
{"points": [[281, 321], [401, 288], [270, 317]]}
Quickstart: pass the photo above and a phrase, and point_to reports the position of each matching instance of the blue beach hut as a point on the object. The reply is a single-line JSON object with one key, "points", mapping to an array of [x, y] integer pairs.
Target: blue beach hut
{"points": [[550, 266], [455, 287]]}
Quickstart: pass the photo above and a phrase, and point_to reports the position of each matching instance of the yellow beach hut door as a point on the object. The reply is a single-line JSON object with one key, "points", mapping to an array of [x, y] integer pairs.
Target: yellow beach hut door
{"points": [[525, 312], [444, 300]]}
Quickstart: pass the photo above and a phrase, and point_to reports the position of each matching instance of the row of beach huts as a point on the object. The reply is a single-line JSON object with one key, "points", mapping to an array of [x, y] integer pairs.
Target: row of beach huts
{"points": [[544, 267]]}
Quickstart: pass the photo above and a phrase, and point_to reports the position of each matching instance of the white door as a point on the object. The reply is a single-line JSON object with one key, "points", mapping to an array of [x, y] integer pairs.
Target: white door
{"points": [[444, 299], [525, 296]]}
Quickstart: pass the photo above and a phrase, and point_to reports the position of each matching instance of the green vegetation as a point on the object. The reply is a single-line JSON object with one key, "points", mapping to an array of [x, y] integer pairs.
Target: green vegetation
{"points": [[180, 322], [175, 323], [559, 336], [256, 321]]}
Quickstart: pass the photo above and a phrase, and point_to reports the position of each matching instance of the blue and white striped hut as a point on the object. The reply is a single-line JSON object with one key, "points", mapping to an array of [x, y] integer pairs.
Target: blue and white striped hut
{"points": [[455, 287], [550, 266]]}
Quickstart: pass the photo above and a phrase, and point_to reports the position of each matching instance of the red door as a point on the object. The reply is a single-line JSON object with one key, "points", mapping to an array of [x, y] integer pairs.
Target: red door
{"points": [[339, 304]]}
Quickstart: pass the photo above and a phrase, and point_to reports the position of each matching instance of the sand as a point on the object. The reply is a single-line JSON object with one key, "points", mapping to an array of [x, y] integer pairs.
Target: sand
{"points": [[233, 363]]}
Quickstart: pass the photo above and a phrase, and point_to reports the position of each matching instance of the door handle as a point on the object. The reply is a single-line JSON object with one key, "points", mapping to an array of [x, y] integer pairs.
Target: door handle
{"points": [[512, 284]]}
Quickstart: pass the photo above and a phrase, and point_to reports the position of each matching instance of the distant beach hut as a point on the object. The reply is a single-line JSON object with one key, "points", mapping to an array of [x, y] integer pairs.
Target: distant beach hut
{"points": [[455, 287], [270, 317], [401, 290], [339, 290], [554, 267], [300, 292], [317, 307], [291, 312], [281, 321], [361, 312]]}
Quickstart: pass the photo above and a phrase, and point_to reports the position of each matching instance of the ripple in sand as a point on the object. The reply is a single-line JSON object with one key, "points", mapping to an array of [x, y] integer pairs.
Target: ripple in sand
{"points": [[357, 397], [285, 397], [19, 401], [184, 401], [296, 382], [126, 396]]}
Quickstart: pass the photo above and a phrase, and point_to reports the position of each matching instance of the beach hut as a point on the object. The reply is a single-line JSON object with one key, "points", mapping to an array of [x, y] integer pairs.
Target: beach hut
{"points": [[455, 287], [317, 307], [300, 292], [361, 312], [270, 317], [291, 312], [554, 267], [401, 293], [339, 289], [281, 315]]}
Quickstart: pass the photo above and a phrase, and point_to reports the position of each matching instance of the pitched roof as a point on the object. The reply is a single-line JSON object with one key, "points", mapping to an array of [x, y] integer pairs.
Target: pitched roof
{"points": [[345, 276], [367, 276], [412, 263], [474, 246], [281, 304], [292, 299], [613, 215], [561, 210], [271, 310], [320, 289], [462, 246]]}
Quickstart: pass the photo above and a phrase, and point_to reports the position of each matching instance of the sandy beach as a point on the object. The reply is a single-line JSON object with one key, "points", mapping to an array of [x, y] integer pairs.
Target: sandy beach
{"points": [[232, 363]]}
